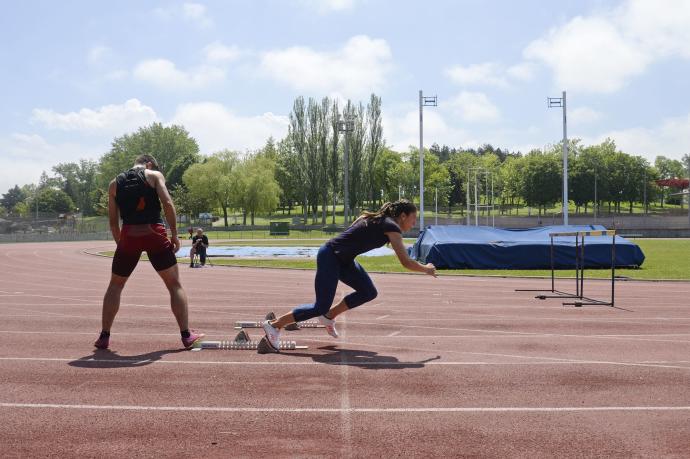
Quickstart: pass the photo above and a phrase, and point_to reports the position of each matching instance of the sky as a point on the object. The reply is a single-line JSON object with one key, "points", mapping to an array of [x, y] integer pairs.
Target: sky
{"points": [[76, 74]]}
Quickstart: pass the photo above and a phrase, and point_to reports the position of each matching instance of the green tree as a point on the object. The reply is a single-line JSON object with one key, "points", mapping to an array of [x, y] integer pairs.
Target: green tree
{"points": [[51, 200], [542, 178], [172, 146], [258, 191], [215, 180], [13, 197], [78, 180]]}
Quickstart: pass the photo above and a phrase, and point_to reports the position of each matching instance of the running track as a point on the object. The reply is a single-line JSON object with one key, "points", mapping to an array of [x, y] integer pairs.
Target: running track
{"points": [[442, 367]]}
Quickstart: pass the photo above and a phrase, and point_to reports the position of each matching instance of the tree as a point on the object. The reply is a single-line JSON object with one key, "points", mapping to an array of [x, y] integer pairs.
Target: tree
{"points": [[172, 146], [386, 168], [297, 134], [186, 203], [542, 178], [215, 180], [78, 180], [334, 156], [258, 190], [374, 144], [51, 200], [13, 197], [287, 174]]}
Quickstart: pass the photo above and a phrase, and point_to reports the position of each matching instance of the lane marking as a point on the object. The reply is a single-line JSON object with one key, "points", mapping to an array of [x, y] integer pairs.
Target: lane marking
{"points": [[382, 317], [239, 409], [391, 335], [355, 363]]}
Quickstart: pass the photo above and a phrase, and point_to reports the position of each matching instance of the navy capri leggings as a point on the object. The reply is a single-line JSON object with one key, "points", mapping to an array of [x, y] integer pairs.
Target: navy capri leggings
{"points": [[329, 270]]}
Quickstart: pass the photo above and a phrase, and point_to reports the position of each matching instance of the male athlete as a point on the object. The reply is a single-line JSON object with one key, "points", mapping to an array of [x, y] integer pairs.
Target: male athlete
{"points": [[136, 196]]}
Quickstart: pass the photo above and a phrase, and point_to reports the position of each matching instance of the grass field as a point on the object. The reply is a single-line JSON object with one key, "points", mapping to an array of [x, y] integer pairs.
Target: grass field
{"points": [[665, 259]]}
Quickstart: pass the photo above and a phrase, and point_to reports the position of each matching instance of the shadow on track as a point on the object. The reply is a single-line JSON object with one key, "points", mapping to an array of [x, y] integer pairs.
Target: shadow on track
{"points": [[361, 359], [105, 358]]}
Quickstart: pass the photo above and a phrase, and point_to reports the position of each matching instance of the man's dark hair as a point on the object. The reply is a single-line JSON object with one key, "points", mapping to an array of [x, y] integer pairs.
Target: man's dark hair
{"points": [[143, 159]]}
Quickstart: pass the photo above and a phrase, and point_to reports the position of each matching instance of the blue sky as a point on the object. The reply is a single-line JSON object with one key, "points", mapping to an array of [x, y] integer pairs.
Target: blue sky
{"points": [[75, 74]]}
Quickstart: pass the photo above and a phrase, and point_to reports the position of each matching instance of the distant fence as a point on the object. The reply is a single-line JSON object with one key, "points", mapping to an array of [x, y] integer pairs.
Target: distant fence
{"points": [[55, 237]]}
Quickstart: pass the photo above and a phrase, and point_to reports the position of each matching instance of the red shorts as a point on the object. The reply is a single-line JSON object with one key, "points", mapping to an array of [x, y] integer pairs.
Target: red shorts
{"points": [[135, 239]]}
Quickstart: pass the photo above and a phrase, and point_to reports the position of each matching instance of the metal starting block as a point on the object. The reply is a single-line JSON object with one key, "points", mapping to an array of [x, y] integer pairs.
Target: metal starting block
{"points": [[242, 342], [271, 316], [239, 325]]}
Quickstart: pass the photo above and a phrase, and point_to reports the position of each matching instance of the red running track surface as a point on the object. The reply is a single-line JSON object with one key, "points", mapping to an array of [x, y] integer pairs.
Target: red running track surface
{"points": [[447, 367]]}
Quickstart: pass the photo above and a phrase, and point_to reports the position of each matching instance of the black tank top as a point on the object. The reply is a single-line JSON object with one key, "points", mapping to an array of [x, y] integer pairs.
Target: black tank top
{"points": [[138, 202]]}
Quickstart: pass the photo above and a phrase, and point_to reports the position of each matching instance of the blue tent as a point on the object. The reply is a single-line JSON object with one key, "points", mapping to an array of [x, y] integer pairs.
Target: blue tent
{"points": [[484, 247]]}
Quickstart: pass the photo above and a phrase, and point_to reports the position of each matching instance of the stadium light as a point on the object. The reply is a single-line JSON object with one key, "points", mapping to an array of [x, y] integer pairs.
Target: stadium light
{"points": [[559, 102], [347, 125], [428, 101]]}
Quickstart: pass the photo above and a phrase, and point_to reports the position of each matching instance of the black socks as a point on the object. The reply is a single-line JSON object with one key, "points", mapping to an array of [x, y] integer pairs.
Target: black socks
{"points": [[104, 334], [185, 333]]}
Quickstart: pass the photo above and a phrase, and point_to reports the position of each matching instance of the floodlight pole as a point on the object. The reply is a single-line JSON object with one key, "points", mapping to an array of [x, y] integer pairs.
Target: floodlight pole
{"points": [[347, 125], [561, 103], [430, 101]]}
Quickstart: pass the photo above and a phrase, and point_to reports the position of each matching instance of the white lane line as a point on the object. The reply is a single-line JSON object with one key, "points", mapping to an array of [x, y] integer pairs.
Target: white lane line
{"points": [[382, 317], [395, 334], [240, 409], [129, 361]]}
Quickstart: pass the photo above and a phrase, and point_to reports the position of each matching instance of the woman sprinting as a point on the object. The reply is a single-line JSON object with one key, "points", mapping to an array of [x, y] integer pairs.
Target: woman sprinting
{"points": [[335, 262]]}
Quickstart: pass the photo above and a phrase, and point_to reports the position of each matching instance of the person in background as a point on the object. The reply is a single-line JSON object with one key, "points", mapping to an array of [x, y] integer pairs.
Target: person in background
{"points": [[199, 246]]}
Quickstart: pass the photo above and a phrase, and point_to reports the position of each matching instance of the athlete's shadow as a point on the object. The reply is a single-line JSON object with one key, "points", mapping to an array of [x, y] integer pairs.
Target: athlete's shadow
{"points": [[105, 358], [362, 359]]}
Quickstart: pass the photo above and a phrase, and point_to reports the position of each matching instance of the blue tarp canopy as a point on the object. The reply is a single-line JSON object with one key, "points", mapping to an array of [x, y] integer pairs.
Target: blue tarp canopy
{"points": [[484, 247]]}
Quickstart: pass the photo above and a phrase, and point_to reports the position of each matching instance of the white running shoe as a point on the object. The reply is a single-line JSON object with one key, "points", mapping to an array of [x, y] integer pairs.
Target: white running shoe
{"points": [[272, 333], [330, 325]]}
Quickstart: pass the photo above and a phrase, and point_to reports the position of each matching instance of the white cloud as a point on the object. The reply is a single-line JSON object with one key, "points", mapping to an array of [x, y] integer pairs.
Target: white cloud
{"points": [[583, 115], [97, 54], [24, 156], [360, 67], [600, 53], [215, 127], [218, 52], [474, 107], [402, 131], [165, 74], [329, 6], [671, 139], [109, 119], [589, 54], [477, 74], [523, 71], [195, 13]]}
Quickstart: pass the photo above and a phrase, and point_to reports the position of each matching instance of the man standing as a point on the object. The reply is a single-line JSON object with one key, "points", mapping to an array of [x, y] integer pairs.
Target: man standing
{"points": [[136, 196], [199, 246]]}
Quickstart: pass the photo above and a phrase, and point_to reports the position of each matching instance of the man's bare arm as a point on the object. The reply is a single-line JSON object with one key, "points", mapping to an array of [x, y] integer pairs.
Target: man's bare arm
{"points": [[167, 204], [113, 212]]}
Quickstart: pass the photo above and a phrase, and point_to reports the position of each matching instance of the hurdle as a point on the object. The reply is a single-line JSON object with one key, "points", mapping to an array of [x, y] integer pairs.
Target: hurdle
{"points": [[579, 299]]}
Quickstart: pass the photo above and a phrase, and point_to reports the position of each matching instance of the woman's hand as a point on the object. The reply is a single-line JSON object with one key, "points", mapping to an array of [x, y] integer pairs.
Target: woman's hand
{"points": [[430, 269]]}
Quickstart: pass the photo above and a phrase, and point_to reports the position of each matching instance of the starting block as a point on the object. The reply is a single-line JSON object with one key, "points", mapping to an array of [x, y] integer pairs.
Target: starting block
{"points": [[243, 342], [239, 325]]}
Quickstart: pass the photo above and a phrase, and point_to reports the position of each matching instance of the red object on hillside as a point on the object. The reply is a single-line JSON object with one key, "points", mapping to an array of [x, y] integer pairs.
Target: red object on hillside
{"points": [[674, 183]]}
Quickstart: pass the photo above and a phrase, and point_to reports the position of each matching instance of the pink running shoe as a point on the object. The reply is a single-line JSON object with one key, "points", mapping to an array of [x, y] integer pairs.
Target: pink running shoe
{"points": [[189, 342], [102, 342]]}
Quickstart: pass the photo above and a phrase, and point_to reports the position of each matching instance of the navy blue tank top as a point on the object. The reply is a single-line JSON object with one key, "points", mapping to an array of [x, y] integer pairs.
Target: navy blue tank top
{"points": [[363, 236], [137, 200]]}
